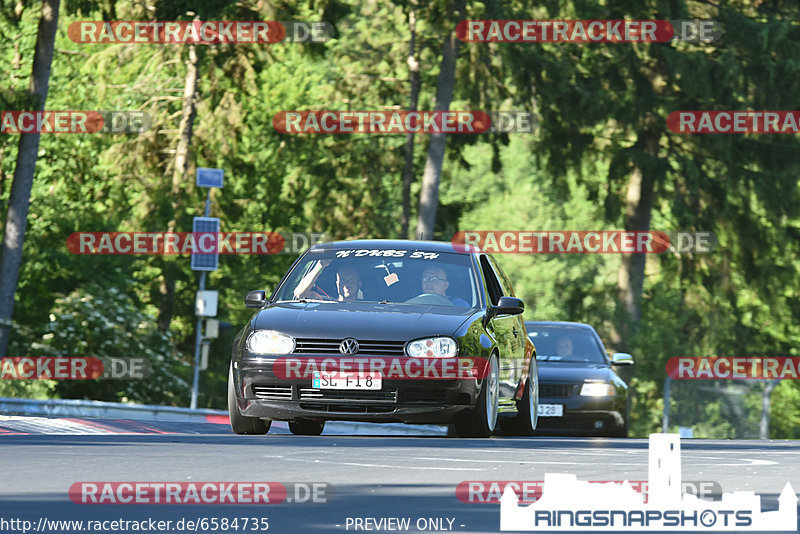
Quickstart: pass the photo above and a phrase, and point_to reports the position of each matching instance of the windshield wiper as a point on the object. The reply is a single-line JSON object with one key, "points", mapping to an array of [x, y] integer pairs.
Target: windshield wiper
{"points": [[303, 300]]}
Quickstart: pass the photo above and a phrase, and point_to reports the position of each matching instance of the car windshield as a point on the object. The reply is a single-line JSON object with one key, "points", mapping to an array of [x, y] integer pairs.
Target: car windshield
{"points": [[565, 344], [382, 275]]}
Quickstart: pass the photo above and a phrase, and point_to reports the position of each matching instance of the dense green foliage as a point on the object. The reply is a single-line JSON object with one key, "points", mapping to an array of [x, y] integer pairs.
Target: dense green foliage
{"points": [[602, 110]]}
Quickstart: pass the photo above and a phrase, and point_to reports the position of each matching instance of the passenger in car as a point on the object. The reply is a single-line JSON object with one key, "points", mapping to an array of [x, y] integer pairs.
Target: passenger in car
{"points": [[348, 284]]}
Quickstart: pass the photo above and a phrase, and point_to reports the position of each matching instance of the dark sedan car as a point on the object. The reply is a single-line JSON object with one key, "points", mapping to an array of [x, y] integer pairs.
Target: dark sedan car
{"points": [[579, 392], [385, 331]]}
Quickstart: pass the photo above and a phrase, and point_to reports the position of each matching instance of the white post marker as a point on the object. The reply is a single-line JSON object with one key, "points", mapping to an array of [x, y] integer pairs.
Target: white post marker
{"points": [[205, 304], [212, 329]]}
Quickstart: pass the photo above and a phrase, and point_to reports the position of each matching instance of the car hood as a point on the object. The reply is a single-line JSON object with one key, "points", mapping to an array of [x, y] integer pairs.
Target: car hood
{"points": [[572, 372], [361, 320]]}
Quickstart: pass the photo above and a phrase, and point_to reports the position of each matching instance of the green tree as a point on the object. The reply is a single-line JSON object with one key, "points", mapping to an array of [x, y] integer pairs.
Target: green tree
{"points": [[17, 214]]}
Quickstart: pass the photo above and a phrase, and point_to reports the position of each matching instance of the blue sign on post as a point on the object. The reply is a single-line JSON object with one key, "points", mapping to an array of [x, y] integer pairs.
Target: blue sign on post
{"points": [[206, 225], [209, 177]]}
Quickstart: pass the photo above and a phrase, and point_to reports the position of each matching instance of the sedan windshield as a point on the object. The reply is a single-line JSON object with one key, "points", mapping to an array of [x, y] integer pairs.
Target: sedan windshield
{"points": [[382, 275], [565, 344]]}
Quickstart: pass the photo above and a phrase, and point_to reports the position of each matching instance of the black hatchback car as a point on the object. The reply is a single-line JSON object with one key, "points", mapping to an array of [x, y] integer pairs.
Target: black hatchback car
{"points": [[385, 331], [579, 391]]}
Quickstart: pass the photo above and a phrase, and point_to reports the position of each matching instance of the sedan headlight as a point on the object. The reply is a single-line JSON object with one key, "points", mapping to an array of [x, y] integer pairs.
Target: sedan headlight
{"points": [[434, 347], [598, 389], [270, 342]]}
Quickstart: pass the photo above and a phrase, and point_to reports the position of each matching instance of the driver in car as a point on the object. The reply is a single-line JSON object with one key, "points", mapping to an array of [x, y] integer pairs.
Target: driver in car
{"points": [[434, 281], [564, 346]]}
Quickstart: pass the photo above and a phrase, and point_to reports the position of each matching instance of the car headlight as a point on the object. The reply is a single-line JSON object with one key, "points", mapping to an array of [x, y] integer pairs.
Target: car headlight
{"points": [[270, 342], [434, 347], [598, 389]]}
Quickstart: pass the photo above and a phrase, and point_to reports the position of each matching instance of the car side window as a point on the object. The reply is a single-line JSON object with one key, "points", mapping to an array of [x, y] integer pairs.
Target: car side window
{"points": [[505, 283], [492, 284], [601, 347]]}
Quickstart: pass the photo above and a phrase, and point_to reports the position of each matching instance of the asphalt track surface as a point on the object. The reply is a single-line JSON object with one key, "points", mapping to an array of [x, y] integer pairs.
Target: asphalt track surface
{"points": [[369, 476]]}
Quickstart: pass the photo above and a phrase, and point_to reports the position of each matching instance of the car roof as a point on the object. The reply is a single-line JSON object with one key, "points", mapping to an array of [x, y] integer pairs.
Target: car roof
{"points": [[397, 244]]}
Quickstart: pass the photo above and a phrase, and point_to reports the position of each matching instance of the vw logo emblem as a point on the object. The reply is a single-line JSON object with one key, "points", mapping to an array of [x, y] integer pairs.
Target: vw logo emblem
{"points": [[348, 346]]}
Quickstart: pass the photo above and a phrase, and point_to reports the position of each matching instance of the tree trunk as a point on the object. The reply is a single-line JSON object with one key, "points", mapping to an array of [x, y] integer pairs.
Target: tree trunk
{"points": [[169, 269], [408, 169], [17, 216], [638, 208], [429, 195]]}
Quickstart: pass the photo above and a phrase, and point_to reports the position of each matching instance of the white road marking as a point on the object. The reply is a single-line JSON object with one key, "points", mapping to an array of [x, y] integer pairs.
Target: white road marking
{"points": [[382, 465], [482, 461], [752, 462], [317, 453]]}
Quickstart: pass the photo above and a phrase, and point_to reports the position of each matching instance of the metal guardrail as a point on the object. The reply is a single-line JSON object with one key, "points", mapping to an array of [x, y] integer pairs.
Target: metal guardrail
{"points": [[114, 410]]}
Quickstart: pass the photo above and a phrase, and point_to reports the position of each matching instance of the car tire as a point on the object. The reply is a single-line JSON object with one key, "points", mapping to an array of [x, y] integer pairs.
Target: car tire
{"points": [[620, 431], [306, 427], [241, 424], [528, 406], [481, 422]]}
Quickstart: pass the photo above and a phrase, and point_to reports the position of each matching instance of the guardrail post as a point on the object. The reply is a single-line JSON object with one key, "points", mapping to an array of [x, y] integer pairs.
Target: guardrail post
{"points": [[764, 430]]}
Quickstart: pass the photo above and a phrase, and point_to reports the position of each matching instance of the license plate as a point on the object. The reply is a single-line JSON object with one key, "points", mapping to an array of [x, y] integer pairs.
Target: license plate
{"points": [[345, 380], [551, 410]]}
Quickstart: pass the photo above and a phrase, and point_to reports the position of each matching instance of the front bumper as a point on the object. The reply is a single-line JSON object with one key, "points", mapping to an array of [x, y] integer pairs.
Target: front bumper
{"points": [[584, 415], [259, 393]]}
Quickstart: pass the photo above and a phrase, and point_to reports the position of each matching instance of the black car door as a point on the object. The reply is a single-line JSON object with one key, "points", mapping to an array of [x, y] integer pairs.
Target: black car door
{"points": [[502, 328], [517, 325]]}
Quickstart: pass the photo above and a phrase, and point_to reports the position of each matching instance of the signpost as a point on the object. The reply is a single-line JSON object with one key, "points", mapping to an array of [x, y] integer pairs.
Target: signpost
{"points": [[209, 177], [206, 301]]}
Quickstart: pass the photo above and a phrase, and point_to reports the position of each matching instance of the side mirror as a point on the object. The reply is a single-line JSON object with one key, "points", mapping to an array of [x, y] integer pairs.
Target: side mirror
{"points": [[506, 306], [621, 358], [509, 306], [255, 299]]}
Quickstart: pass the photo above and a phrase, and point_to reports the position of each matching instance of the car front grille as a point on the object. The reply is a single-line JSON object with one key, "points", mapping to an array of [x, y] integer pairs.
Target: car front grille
{"points": [[366, 348], [556, 390], [388, 396], [423, 395], [273, 392], [347, 408], [348, 401]]}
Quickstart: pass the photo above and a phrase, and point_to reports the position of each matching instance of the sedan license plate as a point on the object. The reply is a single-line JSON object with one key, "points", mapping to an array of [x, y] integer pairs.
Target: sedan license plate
{"points": [[346, 381], [551, 410]]}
